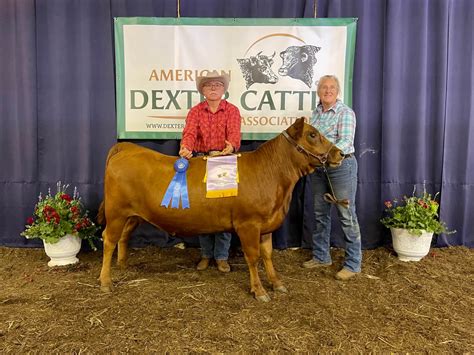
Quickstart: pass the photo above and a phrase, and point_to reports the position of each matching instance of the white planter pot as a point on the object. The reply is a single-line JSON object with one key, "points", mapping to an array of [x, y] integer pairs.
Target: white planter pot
{"points": [[410, 247], [64, 251]]}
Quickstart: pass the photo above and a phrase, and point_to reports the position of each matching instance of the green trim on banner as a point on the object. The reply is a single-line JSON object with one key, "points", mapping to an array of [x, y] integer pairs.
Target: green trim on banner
{"points": [[350, 55], [258, 136], [120, 78], [220, 21], [150, 135], [174, 135]]}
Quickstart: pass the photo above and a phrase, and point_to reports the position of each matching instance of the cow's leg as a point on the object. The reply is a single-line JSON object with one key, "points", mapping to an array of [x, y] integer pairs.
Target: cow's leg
{"points": [[122, 257], [266, 249], [109, 247], [250, 240], [110, 235]]}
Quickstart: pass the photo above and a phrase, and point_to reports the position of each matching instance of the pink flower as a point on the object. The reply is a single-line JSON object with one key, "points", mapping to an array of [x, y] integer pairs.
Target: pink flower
{"points": [[388, 204]]}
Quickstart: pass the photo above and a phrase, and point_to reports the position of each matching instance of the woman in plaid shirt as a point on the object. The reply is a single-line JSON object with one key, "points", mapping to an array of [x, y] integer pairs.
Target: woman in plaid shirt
{"points": [[337, 122], [212, 128]]}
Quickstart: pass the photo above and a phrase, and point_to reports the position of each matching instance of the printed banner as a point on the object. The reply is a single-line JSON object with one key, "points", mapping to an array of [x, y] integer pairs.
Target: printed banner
{"points": [[274, 66]]}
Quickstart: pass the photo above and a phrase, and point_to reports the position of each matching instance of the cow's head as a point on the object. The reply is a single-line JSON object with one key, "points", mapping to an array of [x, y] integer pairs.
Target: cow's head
{"points": [[261, 67], [296, 56], [257, 69], [312, 144]]}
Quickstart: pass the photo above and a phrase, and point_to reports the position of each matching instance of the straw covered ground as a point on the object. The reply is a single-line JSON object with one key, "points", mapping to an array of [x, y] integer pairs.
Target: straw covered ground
{"points": [[161, 304]]}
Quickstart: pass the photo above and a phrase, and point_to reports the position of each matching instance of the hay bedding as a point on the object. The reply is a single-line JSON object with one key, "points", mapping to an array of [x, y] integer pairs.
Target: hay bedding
{"points": [[160, 303]]}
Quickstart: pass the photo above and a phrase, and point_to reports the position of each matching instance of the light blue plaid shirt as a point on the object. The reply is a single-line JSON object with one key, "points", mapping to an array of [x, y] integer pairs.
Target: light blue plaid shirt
{"points": [[337, 124]]}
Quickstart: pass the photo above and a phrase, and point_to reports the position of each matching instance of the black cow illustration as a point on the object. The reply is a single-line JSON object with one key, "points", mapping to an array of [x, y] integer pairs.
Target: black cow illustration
{"points": [[298, 63], [257, 69]]}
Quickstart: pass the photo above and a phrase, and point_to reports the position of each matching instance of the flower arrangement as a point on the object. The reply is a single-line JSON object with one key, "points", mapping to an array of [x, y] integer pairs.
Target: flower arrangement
{"points": [[416, 214], [60, 214]]}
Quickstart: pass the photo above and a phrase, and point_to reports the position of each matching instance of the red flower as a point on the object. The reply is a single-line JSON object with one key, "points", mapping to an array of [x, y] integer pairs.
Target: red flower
{"points": [[75, 211], [422, 203], [66, 197], [30, 221], [48, 211]]}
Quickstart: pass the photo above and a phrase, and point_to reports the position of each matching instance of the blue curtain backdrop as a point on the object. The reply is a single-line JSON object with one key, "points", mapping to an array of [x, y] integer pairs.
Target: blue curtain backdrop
{"points": [[413, 96]]}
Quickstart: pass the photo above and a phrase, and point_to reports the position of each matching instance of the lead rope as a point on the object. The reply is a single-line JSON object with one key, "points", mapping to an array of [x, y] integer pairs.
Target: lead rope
{"points": [[331, 197]]}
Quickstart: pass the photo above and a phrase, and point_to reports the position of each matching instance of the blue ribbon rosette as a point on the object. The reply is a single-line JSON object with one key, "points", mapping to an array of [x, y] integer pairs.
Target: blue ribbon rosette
{"points": [[178, 188]]}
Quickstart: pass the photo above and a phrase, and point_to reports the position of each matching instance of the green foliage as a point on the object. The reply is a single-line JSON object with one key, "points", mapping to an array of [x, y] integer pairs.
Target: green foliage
{"points": [[60, 214], [417, 214]]}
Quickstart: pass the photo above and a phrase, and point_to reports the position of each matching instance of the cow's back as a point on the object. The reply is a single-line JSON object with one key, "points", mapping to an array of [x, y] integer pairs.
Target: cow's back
{"points": [[130, 161], [137, 179]]}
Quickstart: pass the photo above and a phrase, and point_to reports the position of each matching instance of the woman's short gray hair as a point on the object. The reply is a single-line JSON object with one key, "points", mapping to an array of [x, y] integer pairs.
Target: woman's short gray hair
{"points": [[333, 77]]}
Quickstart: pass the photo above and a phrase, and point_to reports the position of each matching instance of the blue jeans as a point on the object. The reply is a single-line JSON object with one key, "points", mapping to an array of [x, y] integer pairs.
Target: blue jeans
{"points": [[215, 245], [344, 183]]}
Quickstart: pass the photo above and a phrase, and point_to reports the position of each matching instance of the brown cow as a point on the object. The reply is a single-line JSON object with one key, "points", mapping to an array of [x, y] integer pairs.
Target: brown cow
{"points": [[136, 179]]}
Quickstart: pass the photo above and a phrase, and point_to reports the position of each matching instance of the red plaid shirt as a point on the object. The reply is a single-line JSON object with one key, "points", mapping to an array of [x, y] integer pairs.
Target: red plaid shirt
{"points": [[206, 131]]}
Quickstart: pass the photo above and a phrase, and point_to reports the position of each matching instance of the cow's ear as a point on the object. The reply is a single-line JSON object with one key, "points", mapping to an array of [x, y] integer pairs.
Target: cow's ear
{"points": [[296, 129], [304, 57]]}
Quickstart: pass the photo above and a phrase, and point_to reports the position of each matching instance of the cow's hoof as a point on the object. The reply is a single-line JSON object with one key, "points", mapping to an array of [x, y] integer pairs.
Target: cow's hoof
{"points": [[263, 298], [281, 289], [106, 289], [122, 266]]}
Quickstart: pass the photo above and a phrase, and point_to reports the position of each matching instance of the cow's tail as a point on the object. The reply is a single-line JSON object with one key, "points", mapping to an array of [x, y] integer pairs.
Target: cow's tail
{"points": [[101, 213]]}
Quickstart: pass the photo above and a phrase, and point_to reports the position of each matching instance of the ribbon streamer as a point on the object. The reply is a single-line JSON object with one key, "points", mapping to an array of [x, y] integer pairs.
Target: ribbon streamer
{"points": [[222, 176], [178, 187]]}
